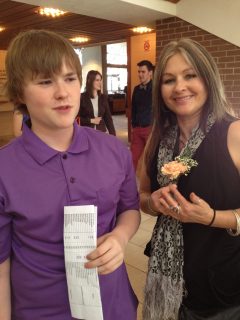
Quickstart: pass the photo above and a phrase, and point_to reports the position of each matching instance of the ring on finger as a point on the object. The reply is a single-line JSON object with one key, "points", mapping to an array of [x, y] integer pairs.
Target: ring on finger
{"points": [[175, 209]]}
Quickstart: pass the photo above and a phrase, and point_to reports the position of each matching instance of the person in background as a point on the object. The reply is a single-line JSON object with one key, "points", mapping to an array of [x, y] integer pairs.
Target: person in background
{"points": [[190, 180], [18, 119], [53, 164], [94, 109], [141, 110]]}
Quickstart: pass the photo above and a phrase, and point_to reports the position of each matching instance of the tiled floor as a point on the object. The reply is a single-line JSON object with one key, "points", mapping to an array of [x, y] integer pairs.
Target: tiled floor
{"points": [[120, 123], [135, 260]]}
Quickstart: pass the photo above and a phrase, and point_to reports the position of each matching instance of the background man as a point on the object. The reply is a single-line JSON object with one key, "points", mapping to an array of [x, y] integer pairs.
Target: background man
{"points": [[141, 110]]}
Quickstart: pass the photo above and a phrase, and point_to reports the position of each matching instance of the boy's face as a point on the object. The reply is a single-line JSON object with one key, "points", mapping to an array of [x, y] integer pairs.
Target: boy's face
{"points": [[53, 102]]}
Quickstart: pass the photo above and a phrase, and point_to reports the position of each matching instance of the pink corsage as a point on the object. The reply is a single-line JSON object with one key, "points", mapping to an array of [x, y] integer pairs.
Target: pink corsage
{"points": [[181, 165]]}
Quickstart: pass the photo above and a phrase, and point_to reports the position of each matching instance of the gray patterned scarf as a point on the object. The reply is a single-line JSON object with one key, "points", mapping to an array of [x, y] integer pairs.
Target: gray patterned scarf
{"points": [[164, 288]]}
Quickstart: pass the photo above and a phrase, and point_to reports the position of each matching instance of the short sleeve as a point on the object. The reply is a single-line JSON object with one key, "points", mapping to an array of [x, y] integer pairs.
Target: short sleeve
{"points": [[5, 231], [129, 199]]}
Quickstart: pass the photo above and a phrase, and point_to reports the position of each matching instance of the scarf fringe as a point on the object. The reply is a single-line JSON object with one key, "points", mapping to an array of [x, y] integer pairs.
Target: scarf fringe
{"points": [[157, 305]]}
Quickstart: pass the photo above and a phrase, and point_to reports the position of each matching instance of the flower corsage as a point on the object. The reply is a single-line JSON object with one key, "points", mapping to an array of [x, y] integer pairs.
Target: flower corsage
{"points": [[180, 166]]}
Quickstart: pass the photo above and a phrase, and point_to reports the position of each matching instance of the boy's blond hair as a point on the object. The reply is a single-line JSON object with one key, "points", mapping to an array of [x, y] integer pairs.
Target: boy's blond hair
{"points": [[36, 52]]}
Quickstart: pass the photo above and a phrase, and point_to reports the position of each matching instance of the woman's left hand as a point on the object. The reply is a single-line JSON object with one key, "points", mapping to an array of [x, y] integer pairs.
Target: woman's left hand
{"points": [[108, 255], [195, 211]]}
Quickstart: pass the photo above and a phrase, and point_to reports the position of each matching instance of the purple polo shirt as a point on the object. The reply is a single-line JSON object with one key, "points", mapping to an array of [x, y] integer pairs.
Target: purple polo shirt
{"points": [[36, 182]]}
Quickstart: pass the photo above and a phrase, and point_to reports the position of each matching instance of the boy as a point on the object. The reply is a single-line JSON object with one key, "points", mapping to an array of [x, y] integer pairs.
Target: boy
{"points": [[56, 163]]}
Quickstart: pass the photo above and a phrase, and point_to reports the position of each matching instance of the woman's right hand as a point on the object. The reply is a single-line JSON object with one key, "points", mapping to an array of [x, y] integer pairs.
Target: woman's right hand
{"points": [[169, 201], [96, 120], [157, 196]]}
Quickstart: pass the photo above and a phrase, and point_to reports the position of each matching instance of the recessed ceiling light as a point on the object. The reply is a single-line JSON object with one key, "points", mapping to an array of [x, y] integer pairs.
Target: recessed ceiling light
{"points": [[79, 39], [141, 29], [51, 12], [2, 29]]}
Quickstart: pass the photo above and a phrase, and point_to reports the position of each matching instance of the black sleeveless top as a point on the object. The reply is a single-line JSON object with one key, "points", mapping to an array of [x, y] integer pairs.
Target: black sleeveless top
{"points": [[211, 255]]}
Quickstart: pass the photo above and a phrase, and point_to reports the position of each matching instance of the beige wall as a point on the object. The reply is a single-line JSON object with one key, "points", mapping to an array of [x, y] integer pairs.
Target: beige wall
{"points": [[6, 108], [2, 67], [139, 45]]}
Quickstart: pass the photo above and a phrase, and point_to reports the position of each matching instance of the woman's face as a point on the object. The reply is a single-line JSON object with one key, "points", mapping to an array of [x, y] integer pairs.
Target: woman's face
{"points": [[183, 91], [97, 83]]}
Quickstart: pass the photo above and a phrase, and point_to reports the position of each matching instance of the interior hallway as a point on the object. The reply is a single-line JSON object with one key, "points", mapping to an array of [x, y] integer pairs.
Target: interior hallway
{"points": [[135, 260]]}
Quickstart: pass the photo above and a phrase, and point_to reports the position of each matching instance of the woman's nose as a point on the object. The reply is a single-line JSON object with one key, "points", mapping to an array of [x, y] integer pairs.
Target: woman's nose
{"points": [[180, 85]]}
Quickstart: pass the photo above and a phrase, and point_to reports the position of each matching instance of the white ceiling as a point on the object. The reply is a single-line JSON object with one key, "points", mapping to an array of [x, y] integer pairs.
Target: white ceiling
{"points": [[136, 12], [219, 17]]}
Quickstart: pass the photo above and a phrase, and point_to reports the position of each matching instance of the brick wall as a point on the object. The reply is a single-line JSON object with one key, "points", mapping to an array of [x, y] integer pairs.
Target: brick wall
{"points": [[226, 55]]}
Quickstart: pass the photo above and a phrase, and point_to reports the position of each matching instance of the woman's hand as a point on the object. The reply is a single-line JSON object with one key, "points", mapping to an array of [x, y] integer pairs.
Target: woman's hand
{"points": [[96, 120], [169, 201], [108, 255]]}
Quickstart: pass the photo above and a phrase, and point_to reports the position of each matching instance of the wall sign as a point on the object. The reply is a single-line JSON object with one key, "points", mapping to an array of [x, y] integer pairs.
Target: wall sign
{"points": [[146, 45]]}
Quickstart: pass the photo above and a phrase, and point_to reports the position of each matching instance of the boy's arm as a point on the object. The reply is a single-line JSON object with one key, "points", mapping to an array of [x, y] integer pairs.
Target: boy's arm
{"points": [[5, 296], [111, 246]]}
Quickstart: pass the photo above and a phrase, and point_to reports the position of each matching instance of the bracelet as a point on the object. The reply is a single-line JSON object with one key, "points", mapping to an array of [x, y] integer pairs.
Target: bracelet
{"points": [[213, 218], [150, 208], [237, 232]]}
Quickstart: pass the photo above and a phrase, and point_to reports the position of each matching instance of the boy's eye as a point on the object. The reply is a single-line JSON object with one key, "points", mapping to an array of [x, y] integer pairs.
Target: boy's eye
{"points": [[72, 78], [45, 82]]}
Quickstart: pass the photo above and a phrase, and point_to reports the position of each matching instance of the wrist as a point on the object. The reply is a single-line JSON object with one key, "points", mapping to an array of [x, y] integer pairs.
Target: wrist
{"points": [[121, 235], [236, 231], [210, 224], [151, 210]]}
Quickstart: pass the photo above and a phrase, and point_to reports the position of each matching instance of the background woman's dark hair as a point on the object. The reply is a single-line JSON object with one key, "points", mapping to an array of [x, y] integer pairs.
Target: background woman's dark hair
{"points": [[91, 76]]}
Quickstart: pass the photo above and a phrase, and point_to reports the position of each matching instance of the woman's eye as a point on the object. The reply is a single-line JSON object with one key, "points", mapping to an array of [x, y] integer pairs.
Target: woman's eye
{"points": [[191, 76], [168, 81]]}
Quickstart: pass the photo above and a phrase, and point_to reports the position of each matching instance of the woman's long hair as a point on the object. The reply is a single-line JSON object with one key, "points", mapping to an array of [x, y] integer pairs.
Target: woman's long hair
{"points": [[205, 66], [91, 76]]}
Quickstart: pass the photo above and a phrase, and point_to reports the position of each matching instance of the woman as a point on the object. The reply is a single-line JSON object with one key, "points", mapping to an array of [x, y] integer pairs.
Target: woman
{"points": [[56, 163], [194, 261], [94, 109]]}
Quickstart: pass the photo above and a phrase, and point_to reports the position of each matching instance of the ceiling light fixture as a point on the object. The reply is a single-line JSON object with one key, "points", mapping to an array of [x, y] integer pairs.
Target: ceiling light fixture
{"points": [[79, 39], [50, 12], [141, 29], [2, 29]]}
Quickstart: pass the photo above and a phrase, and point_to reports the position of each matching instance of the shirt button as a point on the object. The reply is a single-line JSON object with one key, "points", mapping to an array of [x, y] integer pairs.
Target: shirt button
{"points": [[72, 179], [64, 156]]}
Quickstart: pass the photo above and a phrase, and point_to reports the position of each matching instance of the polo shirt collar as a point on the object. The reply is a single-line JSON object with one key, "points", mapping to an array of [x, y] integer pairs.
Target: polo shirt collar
{"points": [[41, 152]]}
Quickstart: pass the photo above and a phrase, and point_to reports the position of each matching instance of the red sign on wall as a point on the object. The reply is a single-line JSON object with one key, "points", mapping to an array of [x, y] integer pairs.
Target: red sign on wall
{"points": [[146, 45]]}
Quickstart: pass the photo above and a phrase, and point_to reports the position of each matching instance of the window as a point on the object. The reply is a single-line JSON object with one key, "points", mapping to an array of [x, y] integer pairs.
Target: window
{"points": [[117, 53], [116, 79], [116, 67], [79, 53]]}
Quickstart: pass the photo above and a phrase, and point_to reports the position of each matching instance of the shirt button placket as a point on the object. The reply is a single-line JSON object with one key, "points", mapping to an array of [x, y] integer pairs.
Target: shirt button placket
{"points": [[72, 179]]}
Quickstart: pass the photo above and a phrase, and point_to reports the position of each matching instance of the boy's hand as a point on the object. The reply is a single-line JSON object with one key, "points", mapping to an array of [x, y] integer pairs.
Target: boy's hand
{"points": [[108, 255]]}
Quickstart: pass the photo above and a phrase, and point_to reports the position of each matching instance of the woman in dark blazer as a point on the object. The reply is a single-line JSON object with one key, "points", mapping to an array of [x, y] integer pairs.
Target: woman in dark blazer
{"points": [[94, 108]]}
